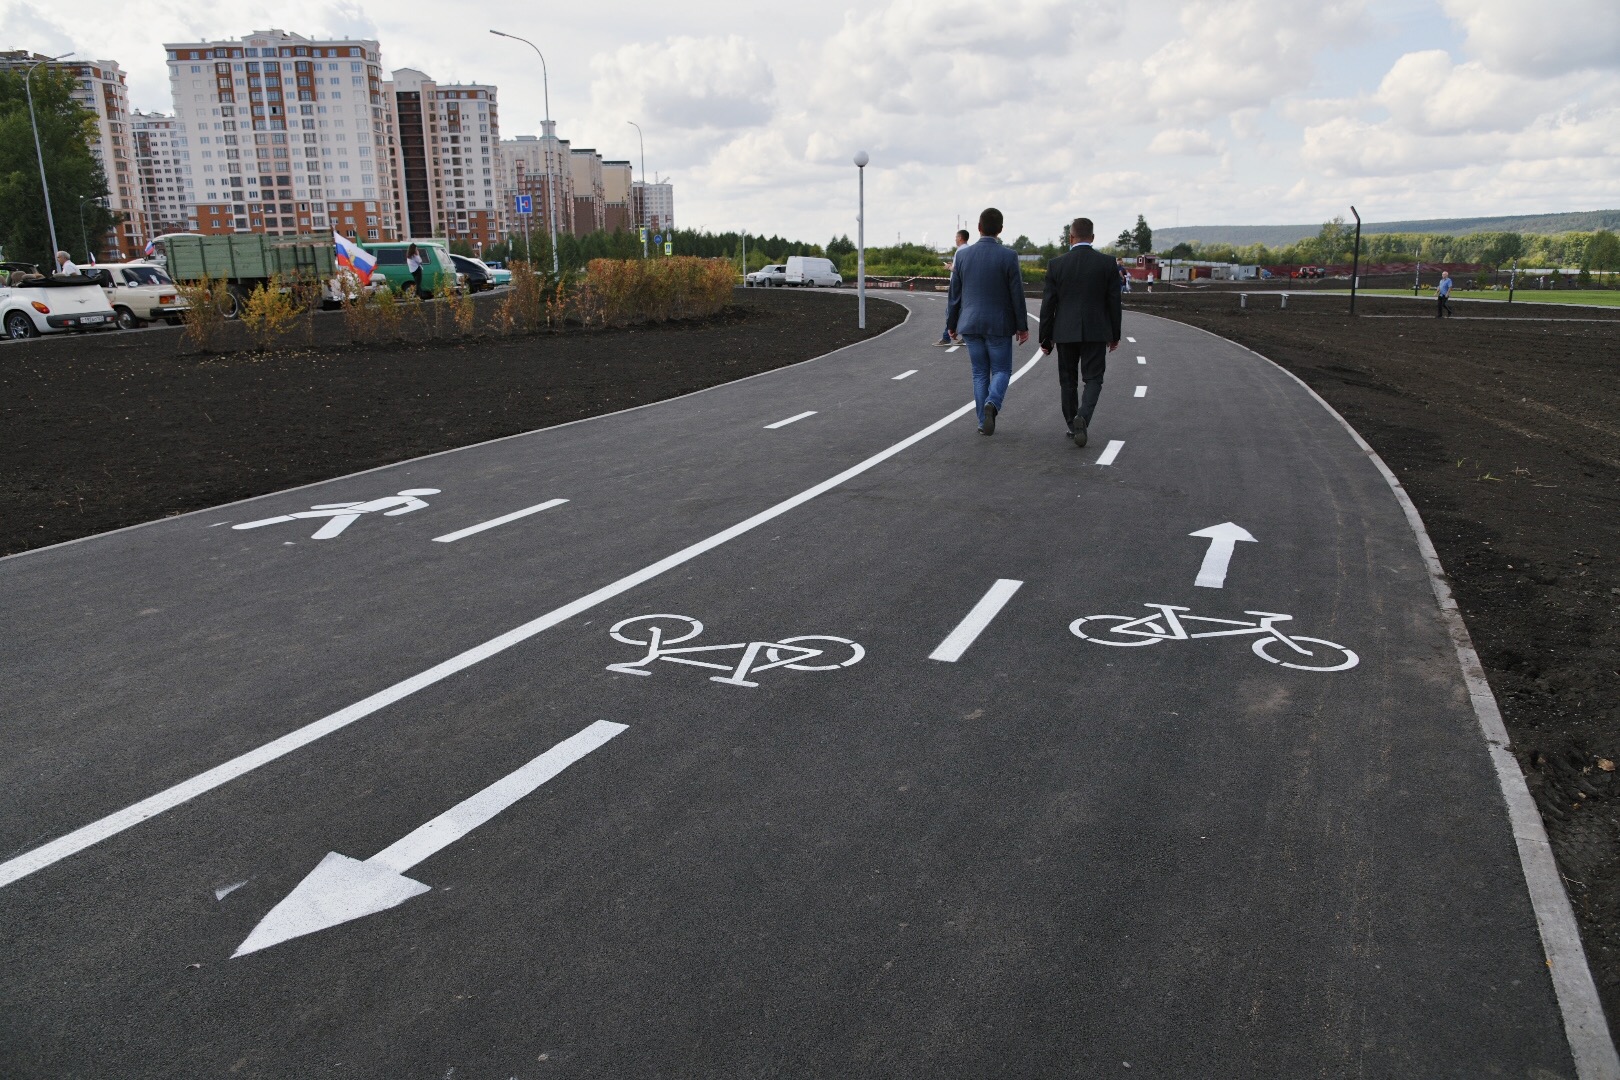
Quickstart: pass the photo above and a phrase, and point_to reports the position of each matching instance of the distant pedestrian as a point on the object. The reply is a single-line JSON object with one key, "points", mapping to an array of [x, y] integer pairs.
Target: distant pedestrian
{"points": [[1081, 315], [1442, 295], [64, 264], [987, 308], [945, 337], [414, 263]]}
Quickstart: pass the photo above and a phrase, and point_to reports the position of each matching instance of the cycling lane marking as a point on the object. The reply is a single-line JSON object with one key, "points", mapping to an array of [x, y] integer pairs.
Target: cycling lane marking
{"points": [[968, 630], [789, 420], [450, 538], [1141, 391], [1141, 359], [111, 825], [905, 375], [1111, 451]]}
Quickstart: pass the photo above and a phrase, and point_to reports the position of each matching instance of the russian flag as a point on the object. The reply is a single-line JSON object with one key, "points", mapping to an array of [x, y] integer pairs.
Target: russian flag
{"points": [[150, 249], [352, 256]]}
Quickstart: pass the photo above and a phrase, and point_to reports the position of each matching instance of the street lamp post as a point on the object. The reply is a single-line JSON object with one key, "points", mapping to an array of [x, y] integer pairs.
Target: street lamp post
{"points": [[1355, 264], [551, 137], [642, 223], [84, 237], [861, 159], [28, 87]]}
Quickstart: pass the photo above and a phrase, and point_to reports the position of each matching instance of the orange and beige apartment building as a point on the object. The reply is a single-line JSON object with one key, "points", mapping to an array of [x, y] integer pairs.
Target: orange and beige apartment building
{"points": [[447, 158]]}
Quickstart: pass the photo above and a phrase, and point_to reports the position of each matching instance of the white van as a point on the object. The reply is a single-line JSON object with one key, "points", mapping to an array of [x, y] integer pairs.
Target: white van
{"points": [[804, 270]]}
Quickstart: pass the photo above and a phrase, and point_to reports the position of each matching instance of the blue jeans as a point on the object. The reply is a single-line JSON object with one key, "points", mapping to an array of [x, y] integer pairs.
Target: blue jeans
{"points": [[992, 369]]}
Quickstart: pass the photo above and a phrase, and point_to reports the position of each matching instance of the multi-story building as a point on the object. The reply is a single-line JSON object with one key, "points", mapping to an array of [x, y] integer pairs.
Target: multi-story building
{"points": [[654, 204], [585, 170], [538, 166], [101, 90], [287, 134], [161, 169], [617, 213], [447, 161]]}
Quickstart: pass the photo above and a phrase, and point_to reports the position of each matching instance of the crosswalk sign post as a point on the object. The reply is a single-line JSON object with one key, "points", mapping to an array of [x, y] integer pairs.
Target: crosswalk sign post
{"points": [[669, 248]]}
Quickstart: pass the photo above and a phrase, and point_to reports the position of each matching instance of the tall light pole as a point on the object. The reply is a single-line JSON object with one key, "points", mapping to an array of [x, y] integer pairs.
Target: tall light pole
{"points": [[642, 224], [28, 86], [551, 137], [861, 159], [83, 236]]}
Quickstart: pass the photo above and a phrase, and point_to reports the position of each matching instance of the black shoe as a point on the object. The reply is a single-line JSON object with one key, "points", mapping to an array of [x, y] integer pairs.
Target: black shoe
{"points": [[1079, 431], [989, 427]]}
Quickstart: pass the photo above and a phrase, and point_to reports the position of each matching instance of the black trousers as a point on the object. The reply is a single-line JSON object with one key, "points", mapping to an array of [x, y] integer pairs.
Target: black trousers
{"points": [[1081, 361]]}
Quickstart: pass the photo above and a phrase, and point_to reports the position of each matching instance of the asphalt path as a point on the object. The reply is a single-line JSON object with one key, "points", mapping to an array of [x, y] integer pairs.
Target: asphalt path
{"points": [[911, 823]]}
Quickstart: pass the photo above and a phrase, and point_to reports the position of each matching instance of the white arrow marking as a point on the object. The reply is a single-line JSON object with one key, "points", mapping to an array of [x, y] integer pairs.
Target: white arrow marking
{"points": [[1223, 540], [341, 889]]}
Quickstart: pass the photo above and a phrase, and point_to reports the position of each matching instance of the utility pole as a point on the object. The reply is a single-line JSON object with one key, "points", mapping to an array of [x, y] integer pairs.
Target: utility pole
{"points": [[642, 223], [861, 159], [1513, 280], [550, 138], [50, 219], [1355, 263]]}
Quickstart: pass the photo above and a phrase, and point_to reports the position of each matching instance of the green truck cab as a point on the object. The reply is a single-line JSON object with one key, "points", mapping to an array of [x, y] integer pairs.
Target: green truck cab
{"points": [[436, 265]]}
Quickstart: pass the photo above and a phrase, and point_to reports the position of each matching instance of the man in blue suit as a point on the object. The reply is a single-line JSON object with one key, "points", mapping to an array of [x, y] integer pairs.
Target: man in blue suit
{"points": [[987, 308]]}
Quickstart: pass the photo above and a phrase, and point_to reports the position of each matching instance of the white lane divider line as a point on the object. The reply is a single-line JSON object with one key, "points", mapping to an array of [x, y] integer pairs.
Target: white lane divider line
{"points": [[450, 538], [20, 866], [789, 420], [341, 889], [1131, 340], [1111, 451], [905, 374], [1141, 391], [953, 348], [968, 630], [1141, 359]]}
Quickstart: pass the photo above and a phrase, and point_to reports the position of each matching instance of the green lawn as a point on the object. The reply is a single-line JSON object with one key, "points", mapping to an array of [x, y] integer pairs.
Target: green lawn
{"points": [[1603, 297]]}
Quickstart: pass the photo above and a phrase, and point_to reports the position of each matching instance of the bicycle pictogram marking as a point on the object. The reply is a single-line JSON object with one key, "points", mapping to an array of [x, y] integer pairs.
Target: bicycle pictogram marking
{"points": [[1166, 624], [657, 632]]}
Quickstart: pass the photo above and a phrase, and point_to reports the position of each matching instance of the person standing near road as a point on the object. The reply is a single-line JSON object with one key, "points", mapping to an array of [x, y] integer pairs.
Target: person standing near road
{"points": [[414, 263], [987, 309], [1442, 295], [1081, 316], [945, 337]]}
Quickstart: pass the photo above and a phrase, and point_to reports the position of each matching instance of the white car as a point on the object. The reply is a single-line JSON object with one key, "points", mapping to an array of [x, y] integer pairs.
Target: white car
{"points": [[141, 293], [769, 276], [31, 304], [811, 272]]}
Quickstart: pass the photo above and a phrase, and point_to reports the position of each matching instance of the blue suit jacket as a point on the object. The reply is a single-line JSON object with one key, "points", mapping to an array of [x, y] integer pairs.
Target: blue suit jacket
{"points": [[987, 292]]}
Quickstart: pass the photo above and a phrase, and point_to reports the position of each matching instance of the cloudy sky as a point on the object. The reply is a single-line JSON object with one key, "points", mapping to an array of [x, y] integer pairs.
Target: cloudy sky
{"points": [[1189, 111]]}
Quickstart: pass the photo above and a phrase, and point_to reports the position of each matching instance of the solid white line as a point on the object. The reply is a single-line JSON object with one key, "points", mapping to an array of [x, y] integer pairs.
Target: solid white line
{"points": [[1141, 391], [1141, 359], [1111, 451], [450, 538], [789, 420], [1590, 1043], [86, 835], [905, 374], [968, 630]]}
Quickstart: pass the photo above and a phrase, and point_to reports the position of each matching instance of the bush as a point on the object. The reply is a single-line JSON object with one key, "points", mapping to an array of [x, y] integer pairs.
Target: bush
{"points": [[618, 292], [206, 304], [271, 310], [524, 306]]}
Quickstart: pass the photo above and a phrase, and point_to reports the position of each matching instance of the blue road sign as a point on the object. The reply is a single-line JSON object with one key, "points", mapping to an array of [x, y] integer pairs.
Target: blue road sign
{"points": [[658, 238], [525, 204]]}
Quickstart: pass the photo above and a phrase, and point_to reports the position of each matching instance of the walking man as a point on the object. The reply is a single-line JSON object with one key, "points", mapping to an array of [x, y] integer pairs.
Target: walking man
{"points": [[987, 308], [1442, 295], [1081, 315], [945, 337]]}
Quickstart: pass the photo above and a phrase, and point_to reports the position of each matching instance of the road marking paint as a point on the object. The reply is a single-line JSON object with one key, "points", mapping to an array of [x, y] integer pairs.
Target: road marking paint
{"points": [[1223, 541], [341, 889], [953, 348], [1111, 451], [225, 890], [1141, 391], [28, 862], [789, 420], [1131, 340], [968, 630], [905, 374], [1141, 359], [450, 538]]}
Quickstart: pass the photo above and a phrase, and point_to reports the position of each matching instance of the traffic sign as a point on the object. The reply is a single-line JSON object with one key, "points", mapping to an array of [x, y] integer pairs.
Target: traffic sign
{"points": [[669, 248], [643, 234], [658, 238], [525, 204]]}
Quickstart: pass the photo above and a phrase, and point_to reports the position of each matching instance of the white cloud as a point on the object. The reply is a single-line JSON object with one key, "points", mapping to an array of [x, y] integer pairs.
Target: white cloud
{"points": [[685, 82], [1426, 92], [1187, 142], [1540, 38]]}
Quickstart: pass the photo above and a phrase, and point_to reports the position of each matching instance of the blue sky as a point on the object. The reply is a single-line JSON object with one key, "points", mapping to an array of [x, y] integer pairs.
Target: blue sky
{"points": [[1202, 111]]}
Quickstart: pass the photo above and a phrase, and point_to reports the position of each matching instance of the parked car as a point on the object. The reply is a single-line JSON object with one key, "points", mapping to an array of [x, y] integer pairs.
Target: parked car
{"points": [[141, 293], [33, 304], [479, 277], [498, 274], [811, 272], [391, 265], [769, 276]]}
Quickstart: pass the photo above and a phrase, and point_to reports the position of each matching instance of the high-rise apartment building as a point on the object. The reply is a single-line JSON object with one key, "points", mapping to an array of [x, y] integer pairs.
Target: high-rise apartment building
{"points": [[447, 160], [617, 213], [287, 134], [655, 204], [585, 170], [100, 89], [161, 166], [538, 167]]}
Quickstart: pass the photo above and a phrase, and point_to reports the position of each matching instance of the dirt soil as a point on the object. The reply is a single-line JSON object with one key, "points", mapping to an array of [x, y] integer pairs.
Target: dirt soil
{"points": [[109, 430], [1505, 430]]}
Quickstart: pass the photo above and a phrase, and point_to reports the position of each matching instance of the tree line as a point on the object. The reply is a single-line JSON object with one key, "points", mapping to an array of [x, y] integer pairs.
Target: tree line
{"points": [[78, 184]]}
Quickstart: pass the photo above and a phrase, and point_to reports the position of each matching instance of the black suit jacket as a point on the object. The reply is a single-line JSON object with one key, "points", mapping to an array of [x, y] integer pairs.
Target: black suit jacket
{"points": [[1081, 300]]}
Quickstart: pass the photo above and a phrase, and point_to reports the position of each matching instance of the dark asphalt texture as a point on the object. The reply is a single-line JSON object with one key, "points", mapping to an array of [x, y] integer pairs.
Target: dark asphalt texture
{"points": [[1050, 858]]}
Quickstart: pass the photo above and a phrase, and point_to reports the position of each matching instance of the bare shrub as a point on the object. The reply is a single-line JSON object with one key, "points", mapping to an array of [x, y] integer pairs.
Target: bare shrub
{"points": [[271, 310], [456, 307], [625, 291], [525, 305], [204, 317]]}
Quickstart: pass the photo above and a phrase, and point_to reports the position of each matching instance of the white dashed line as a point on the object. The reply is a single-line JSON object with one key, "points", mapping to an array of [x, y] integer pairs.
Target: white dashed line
{"points": [[450, 538], [953, 348], [968, 630], [1141, 391], [790, 420], [1111, 452], [1131, 340], [1141, 359], [905, 374]]}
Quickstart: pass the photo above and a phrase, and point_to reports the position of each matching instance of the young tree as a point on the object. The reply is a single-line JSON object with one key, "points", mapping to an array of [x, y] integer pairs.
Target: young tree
{"points": [[840, 246], [1126, 242], [65, 131], [1024, 245], [1142, 236], [1603, 252]]}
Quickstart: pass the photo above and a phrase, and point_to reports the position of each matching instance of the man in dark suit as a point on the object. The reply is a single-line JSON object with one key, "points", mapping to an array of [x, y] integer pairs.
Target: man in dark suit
{"points": [[987, 308], [1080, 314]]}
